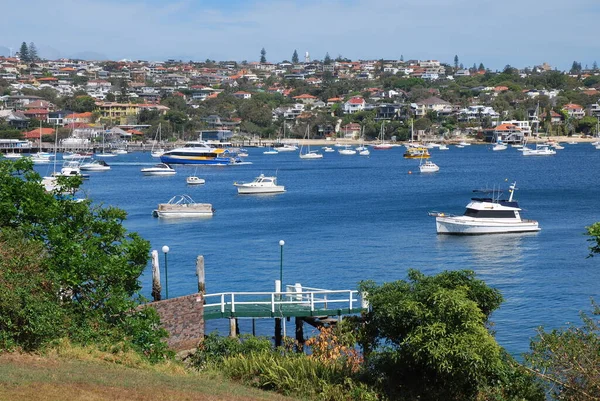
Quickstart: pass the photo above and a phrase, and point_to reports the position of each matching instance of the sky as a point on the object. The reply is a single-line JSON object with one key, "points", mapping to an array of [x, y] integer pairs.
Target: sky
{"points": [[493, 32]]}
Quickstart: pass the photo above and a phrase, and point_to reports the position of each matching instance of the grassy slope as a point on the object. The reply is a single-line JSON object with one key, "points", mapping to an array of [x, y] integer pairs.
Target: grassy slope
{"points": [[30, 377]]}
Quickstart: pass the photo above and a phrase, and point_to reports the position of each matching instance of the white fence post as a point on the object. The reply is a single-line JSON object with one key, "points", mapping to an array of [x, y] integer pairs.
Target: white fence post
{"points": [[232, 302], [222, 303]]}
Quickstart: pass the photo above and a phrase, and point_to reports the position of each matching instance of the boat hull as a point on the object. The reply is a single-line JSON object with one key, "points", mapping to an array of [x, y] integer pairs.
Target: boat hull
{"points": [[456, 226], [247, 190]]}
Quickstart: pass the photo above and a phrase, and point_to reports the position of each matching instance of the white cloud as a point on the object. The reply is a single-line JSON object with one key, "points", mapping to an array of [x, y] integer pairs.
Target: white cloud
{"points": [[493, 32]]}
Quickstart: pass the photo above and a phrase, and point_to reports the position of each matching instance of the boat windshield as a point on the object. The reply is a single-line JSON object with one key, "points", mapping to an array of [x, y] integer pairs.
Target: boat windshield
{"points": [[497, 214]]}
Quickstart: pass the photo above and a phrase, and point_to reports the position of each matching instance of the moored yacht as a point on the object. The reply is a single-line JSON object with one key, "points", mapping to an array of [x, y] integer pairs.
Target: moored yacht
{"points": [[261, 185], [486, 216], [159, 169], [198, 152]]}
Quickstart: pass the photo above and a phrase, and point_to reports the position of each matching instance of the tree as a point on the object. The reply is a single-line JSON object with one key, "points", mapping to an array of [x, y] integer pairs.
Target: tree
{"points": [[595, 66], [427, 338], [263, 54], [456, 62], [401, 57], [123, 91], [87, 268], [481, 67], [327, 59], [594, 232], [24, 52], [295, 58], [33, 54]]}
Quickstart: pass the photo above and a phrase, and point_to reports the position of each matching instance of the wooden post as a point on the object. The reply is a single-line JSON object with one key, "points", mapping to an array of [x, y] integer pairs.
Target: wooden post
{"points": [[300, 333], [200, 274], [232, 327], [278, 332], [156, 287], [254, 327]]}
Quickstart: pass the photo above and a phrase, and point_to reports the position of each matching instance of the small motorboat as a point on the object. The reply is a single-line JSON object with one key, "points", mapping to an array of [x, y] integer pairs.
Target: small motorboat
{"points": [[159, 169], [193, 180], [261, 185], [328, 149], [486, 216], [95, 165], [364, 152], [183, 206]]}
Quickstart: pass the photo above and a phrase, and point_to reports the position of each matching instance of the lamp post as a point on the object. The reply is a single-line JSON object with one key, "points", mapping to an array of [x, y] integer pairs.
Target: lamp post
{"points": [[281, 244], [165, 250]]}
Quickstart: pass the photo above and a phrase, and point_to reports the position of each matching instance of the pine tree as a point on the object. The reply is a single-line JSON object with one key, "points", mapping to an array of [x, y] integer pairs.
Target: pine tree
{"points": [[327, 59], [481, 67], [595, 66], [402, 57], [456, 62], [295, 58], [33, 54], [24, 52], [263, 54], [474, 67]]}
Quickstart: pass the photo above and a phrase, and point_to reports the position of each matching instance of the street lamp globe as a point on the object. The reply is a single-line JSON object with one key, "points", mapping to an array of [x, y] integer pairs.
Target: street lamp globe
{"points": [[165, 249], [281, 243]]}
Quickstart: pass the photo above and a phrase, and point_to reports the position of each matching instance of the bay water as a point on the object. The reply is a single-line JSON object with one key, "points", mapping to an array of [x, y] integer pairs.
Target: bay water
{"points": [[350, 218]]}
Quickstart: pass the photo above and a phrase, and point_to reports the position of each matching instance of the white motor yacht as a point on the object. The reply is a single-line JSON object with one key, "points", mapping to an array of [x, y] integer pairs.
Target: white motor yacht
{"points": [[261, 185], [183, 206], [364, 152], [95, 165], [540, 150], [429, 167], [159, 169], [486, 216]]}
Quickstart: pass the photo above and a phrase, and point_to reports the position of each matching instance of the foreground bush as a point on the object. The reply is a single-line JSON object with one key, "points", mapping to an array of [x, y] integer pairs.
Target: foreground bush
{"points": [[69, 269]]}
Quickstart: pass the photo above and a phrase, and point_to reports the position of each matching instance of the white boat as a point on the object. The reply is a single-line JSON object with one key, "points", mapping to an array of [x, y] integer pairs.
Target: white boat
{"points": [[498, 144], [460, 146], [382, 145], [157, 151], [307, 153], [193, 180], [347, 151], [120, 152], [183, 206], [428, 167], [13, 155], [443, 146], [540, 150], [572, 143], [486, 216], [328, 149], [464, 143], [556, 145], [76, 155], [271, 151], [364, 152], [94, 165], [41, 158], [261, 185], [159, 169], [104, 155], [71, 168], [286, 148]]}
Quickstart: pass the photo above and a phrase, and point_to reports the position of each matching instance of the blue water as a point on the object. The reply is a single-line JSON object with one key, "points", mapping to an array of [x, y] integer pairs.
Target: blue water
{"points": [[349, 218]]}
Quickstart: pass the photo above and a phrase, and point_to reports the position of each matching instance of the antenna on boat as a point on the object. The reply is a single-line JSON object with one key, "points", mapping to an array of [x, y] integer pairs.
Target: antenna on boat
{"points": [[512, 189]]}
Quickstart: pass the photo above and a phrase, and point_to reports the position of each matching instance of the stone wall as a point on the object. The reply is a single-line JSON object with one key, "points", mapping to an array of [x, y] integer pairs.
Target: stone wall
{"points": [[183, 318]]}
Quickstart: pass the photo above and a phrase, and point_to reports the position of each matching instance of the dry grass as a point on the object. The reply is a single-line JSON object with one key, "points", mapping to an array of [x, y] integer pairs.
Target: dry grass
{"points": [[79, 375]]}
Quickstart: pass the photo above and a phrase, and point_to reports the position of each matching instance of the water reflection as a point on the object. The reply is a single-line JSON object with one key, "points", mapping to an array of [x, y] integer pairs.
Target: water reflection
{"points": [[490, 250]]}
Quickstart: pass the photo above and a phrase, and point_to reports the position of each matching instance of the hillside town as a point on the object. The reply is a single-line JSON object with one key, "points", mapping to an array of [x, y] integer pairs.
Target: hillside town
{"points": [[337, 98]]}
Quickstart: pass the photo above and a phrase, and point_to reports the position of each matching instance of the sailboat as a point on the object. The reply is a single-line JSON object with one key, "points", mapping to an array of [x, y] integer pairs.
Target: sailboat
{"points": [[498, 144], [382, 145], [158, 152], [540, 149], [308, 154], [104, 154]]}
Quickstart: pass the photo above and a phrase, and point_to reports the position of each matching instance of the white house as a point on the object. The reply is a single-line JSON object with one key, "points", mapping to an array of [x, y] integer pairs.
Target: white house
{"points": [[354, 105]]}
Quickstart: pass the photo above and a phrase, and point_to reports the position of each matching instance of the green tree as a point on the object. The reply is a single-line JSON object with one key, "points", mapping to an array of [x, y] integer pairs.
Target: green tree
{"points": [[88, 271], [263, 55], [595, 66], [123, 91], [24, 52], [594, 232], [456, 62], [481, 67], [327, 59], [33, 53], [294, 57], [427, 338]]}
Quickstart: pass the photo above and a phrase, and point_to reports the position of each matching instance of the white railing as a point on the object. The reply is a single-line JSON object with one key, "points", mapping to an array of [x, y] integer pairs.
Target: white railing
{"points": [[313, 298]]}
